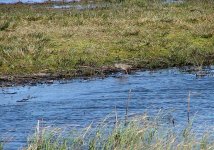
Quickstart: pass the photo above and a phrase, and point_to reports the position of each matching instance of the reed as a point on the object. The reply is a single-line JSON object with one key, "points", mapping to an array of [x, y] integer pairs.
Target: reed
{"points": [[142, 132], [1, 145], [127, 106], [188, 107]]}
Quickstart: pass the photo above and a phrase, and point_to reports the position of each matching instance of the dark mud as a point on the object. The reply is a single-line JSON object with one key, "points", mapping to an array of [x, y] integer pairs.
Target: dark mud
{"points": [[86, 72], [47, 78]]}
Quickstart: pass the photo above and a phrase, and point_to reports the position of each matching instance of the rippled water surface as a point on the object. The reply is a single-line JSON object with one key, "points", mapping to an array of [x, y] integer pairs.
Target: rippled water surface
{"points": [[24, 1], [33, 1], [78, 102], [42, 1]]}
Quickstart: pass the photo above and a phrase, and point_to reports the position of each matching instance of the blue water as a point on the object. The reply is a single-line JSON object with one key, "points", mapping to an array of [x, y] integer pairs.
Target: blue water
{"points": [[79, 102], [41, 1], [24, 1], [31, 1]]}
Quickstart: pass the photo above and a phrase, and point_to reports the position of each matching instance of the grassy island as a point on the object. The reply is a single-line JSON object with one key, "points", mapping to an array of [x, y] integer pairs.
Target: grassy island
{"points": [[37, 38]]}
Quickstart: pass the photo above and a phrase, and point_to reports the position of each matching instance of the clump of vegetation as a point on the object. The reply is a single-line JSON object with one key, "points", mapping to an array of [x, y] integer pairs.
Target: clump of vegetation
{"points": [[140, 132], [4, 25], [1, 146], [146, 34]]}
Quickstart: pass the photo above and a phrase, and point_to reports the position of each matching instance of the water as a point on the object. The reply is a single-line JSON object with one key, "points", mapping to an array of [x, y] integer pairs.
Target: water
{"points": [[33, 1], [79, 102], [59, 6], [23, 1], [80, 7], [42, 1]]}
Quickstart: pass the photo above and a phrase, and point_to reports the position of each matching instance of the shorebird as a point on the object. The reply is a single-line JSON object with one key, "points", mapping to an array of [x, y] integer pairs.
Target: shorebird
{"points": [[124, 67]]}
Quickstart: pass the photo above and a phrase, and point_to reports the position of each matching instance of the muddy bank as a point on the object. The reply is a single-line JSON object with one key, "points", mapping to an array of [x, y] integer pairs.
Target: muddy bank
{"points": [[86, 72]]}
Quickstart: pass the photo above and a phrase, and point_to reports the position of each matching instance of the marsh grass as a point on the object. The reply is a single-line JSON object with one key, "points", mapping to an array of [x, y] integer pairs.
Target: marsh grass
{"points": [[142, 33], [142, 132], [1, 146]]}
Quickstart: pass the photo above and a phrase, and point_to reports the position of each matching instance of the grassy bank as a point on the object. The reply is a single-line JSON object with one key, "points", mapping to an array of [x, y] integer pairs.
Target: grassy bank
{"points": [[141, 132], [145, 34]]}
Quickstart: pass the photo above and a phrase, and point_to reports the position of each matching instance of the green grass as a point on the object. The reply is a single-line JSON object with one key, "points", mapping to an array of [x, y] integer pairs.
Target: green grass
{"points": [[141, 132], [1, 146], [145, 34]]}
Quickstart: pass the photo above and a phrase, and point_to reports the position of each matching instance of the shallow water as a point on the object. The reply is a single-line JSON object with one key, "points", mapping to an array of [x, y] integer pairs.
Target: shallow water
{"points": [[77, 103], [42, 1], [33, 1], [80, 7]]}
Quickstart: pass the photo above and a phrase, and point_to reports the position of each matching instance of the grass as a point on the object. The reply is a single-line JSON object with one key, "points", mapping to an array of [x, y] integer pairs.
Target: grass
{"points": [[141, 132], [145, 34], [1, 146]]}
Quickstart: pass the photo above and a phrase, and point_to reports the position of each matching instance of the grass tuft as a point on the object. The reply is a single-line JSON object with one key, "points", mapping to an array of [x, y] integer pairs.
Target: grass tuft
{"points": [[142, 132], [4, 25], [1, 145]]}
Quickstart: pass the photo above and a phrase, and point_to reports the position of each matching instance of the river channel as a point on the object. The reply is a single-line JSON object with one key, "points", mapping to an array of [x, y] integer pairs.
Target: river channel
{"points": [[78, 102]]}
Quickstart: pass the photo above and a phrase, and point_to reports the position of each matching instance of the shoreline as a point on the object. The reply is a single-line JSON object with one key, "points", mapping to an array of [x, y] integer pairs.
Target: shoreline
{"points": [[50, 78]]}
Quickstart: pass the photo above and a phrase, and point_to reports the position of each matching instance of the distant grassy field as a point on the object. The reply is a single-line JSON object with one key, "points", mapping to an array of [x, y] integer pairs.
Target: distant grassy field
{"points": [[143, 33]]}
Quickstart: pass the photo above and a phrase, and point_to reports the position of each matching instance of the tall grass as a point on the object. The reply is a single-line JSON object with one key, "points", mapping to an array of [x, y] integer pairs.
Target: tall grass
{"points": [[1, 145], [142, 132]]}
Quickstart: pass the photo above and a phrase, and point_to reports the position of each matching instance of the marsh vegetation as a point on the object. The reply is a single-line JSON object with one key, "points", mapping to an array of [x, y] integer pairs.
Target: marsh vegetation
{"points": [[142, 33], [142, 132]]}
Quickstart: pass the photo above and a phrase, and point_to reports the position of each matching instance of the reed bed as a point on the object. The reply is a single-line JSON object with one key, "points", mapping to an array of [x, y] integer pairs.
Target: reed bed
{"points": [[141, 132]]}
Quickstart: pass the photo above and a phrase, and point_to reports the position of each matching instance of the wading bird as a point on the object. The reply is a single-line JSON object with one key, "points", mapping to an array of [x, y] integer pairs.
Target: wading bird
{"points": [[124, 67]]}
